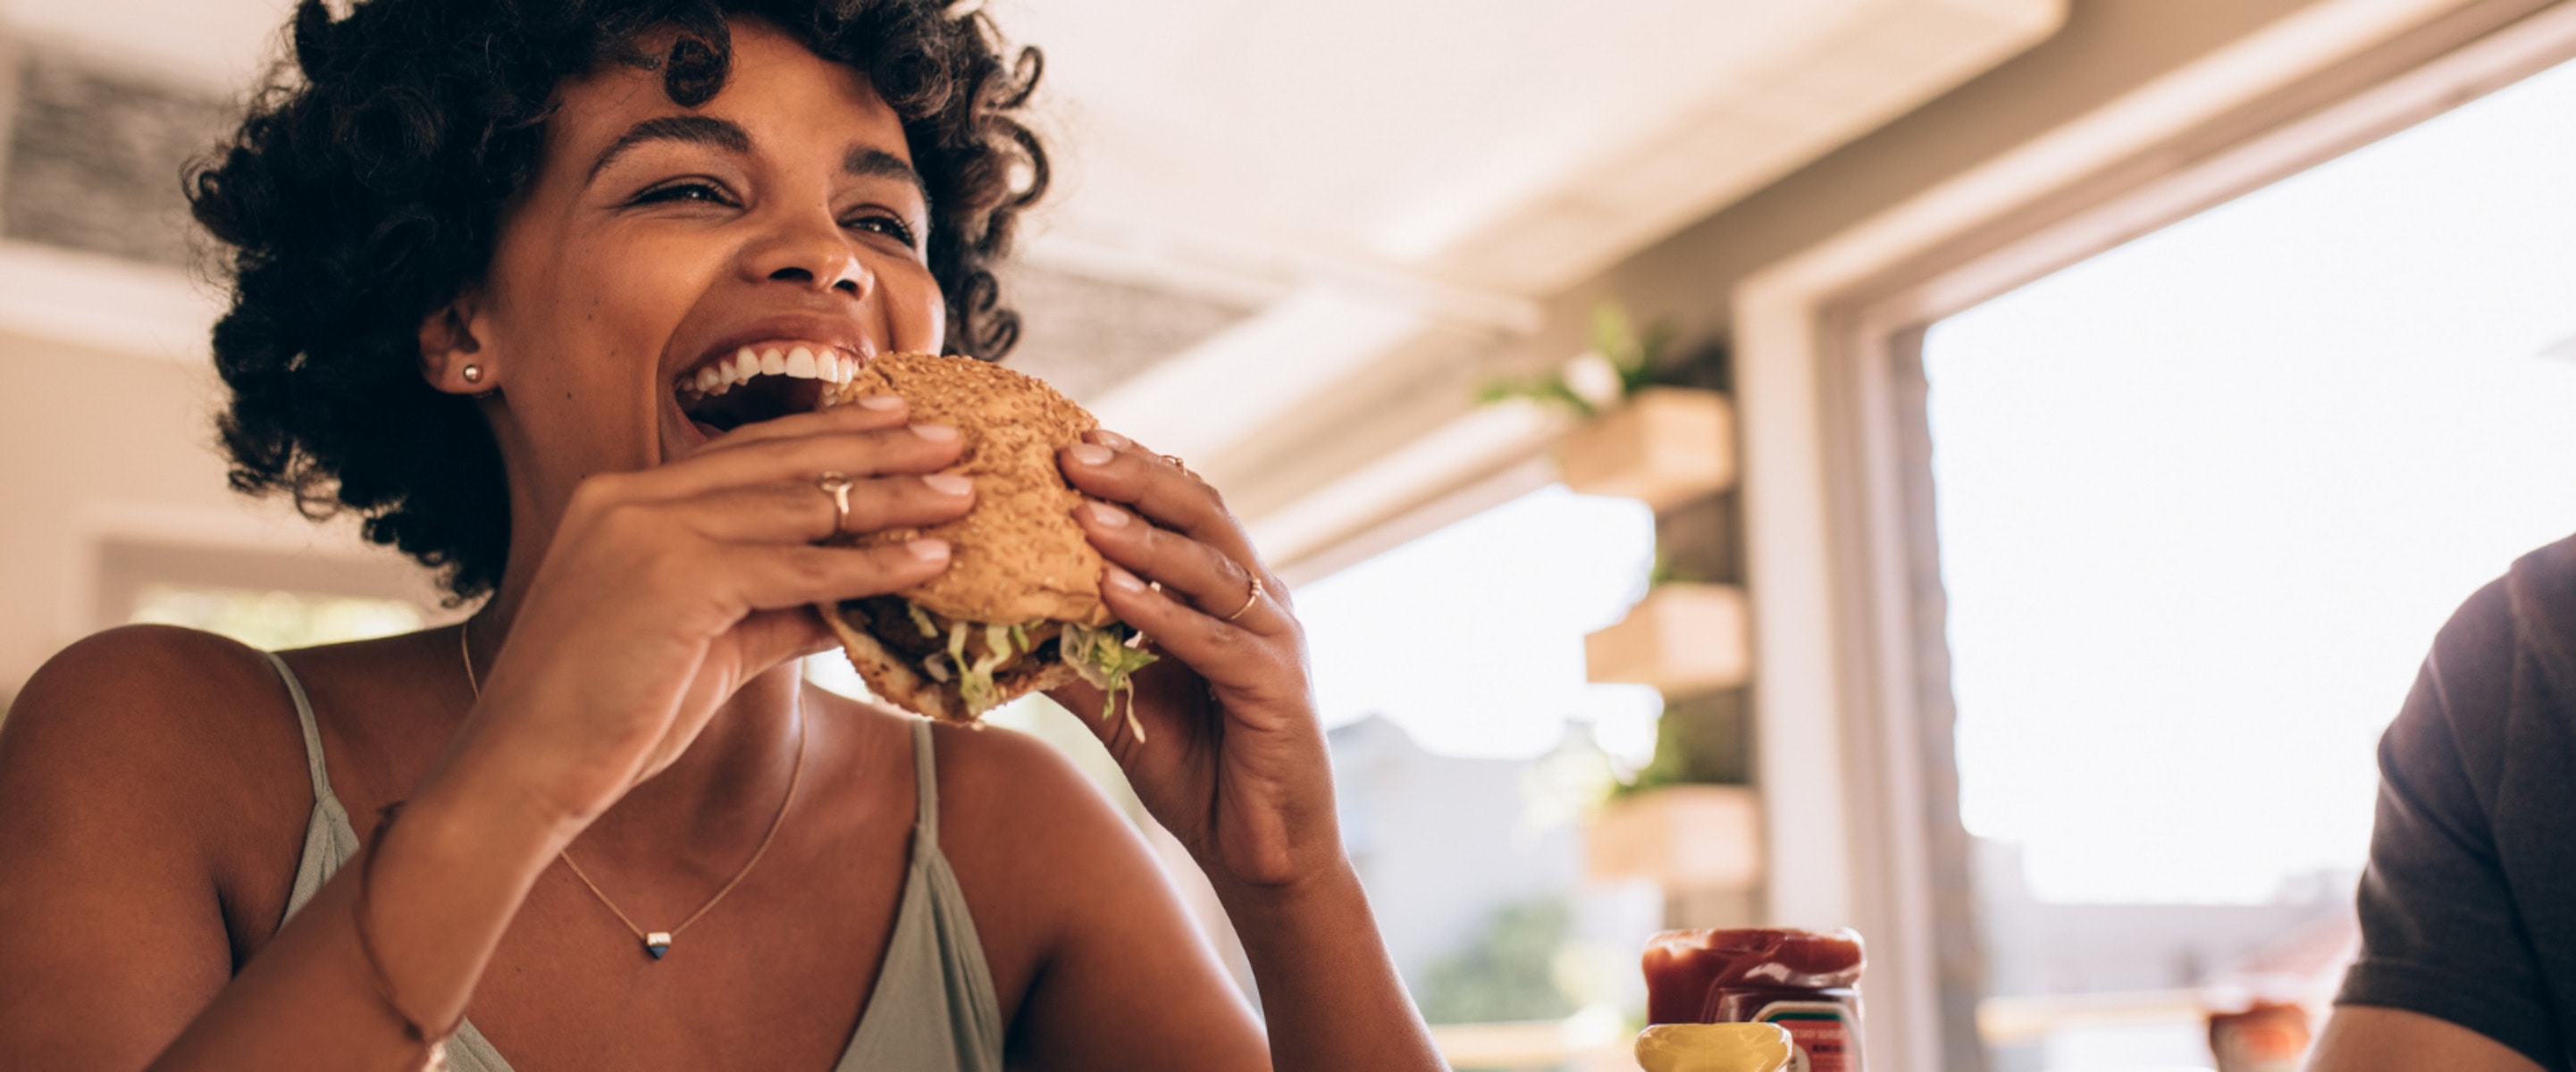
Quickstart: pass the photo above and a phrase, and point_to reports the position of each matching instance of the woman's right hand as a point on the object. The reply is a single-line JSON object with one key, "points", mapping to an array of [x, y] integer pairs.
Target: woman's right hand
{"points": [[665, 590]]}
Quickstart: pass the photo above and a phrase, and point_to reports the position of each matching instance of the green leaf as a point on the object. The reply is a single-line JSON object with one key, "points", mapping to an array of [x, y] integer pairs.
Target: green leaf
{"points": [[1103, 659], [1551, 391], [1615, 338]]}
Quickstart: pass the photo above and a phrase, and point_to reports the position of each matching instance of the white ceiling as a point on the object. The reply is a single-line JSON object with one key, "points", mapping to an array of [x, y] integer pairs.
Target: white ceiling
{"points": [[1390, 134], [217, 43], [1377, 172]]}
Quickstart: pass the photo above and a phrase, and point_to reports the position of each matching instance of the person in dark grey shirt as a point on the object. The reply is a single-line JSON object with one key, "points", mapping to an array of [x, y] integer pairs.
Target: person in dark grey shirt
{"points": [[2468, 908]]}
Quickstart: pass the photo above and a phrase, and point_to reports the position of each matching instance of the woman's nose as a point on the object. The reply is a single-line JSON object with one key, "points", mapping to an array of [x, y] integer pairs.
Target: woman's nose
{"points": [[818, 257]]}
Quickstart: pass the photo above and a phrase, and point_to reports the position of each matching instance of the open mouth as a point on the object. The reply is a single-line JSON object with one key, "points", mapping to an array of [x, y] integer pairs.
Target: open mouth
{"points": [[762, 382]]}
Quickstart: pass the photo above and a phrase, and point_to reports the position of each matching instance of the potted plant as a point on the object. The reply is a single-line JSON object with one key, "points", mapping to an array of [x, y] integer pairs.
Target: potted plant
{"points": [[1688, 822], [1640, 438]]}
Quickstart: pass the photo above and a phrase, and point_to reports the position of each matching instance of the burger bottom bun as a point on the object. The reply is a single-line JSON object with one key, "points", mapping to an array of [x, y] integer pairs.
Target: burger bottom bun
{"points": [[896, 682]]}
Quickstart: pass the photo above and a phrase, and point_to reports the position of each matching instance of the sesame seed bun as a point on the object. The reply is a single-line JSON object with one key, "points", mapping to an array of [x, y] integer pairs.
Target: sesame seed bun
{"points": [[1018, 557]]}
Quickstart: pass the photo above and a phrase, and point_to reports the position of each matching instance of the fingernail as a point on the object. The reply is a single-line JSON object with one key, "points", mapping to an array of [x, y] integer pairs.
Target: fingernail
{"points": [[1124, 581], [1093, 454], [1109, 439], [928, 550], [948, 483], [882, 402], [936, 433]]}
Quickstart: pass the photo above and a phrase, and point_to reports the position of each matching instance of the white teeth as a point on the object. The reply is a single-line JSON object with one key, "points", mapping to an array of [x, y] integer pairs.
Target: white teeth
{"points": [[803, 362]]}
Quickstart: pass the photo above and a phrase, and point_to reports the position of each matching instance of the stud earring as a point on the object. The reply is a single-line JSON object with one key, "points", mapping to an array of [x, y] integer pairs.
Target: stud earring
{"points": [[473, 373]]}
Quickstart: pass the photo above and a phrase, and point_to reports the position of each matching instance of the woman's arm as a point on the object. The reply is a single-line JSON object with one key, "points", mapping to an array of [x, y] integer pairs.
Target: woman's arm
{"points": [[1330, 994], [446, 881], [132, 765], [661, 594], [1233, 759]]}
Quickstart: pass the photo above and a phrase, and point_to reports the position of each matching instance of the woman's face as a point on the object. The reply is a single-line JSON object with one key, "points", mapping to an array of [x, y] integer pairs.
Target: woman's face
{"points": [[658, 245]]}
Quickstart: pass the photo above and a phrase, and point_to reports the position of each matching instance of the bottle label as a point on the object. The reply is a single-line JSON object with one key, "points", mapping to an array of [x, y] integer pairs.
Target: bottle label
{"points": [[1826, 1038]]}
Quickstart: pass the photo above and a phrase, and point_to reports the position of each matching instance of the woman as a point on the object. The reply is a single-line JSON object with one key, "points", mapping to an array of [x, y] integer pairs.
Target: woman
{"points": [[474, 248]]}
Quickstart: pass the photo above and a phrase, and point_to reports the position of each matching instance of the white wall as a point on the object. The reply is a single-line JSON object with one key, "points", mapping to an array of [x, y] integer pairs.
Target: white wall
{"points": [[103, 445]]}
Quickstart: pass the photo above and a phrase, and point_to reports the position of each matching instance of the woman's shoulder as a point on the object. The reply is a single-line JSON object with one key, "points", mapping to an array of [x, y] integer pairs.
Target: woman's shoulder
{"points": [[152, 713], [156, 741], [1016, 811], [150, 688], [995, 773]]}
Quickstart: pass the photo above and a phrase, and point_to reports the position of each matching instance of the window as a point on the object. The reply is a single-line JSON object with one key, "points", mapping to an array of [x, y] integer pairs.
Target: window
{"points": [[2203, 501], [274, 620], [268, 599]]}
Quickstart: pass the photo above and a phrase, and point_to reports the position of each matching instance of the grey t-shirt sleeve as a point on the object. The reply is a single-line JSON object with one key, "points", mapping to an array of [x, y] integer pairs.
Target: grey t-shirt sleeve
{"points": [[2441, 932]]}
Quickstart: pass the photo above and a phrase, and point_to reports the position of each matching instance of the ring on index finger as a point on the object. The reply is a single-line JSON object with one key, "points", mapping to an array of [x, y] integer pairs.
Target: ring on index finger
{"points": [[837, 485]]}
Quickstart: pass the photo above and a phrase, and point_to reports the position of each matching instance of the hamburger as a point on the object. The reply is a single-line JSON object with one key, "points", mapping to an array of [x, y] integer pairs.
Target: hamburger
{"points": [[1018, 610]]}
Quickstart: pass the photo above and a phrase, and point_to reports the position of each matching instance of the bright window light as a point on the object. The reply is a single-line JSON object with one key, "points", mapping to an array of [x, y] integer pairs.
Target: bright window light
{"points": [[2205, 499], [1471, 638], [274, 621]]}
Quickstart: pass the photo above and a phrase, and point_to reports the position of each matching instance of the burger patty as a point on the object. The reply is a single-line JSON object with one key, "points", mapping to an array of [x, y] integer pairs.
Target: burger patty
{"points": [[889, 619]]}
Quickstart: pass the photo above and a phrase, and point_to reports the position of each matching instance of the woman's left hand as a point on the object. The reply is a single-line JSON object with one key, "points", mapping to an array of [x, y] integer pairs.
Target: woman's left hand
{"points": [[1233, 761]]}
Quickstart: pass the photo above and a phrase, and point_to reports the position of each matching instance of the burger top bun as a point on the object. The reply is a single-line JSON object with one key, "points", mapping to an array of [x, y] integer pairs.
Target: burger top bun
{"points": [[1018, 556]]}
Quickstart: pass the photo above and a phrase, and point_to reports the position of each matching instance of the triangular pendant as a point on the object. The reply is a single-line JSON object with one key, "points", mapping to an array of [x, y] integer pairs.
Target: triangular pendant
{"points": [[657, 943]]}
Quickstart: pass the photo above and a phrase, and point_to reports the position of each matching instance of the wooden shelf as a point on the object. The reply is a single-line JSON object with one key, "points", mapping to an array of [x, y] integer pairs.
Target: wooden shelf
{"points": [[1665, 446], [1683, 837], [1681, 639]]}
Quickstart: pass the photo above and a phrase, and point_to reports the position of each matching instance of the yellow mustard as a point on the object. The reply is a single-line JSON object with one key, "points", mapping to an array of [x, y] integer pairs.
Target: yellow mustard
{"points": [[1715, 1048]]}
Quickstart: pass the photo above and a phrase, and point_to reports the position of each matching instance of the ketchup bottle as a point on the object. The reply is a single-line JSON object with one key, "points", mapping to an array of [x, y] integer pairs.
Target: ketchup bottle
{"points": [[1804, 981]]}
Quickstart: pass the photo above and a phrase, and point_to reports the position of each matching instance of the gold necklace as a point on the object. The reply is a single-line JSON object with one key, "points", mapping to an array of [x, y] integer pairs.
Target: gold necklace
{"points": [[658, 943]]}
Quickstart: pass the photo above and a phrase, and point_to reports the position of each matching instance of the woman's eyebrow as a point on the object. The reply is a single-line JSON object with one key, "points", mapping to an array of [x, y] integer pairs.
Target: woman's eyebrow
{"points": [[865, 162], [700, 129]]}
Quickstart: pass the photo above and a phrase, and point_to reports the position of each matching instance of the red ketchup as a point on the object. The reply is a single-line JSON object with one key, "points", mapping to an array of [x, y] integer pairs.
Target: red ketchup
{"points": [[1804, 981]]}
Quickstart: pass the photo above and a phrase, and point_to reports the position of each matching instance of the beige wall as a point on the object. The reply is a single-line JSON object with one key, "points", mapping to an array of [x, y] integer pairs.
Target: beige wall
{"points": [[105, 446]]}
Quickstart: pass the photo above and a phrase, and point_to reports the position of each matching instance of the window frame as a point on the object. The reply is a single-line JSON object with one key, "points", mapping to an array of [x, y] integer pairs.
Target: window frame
{"points": [[1842, 557]]}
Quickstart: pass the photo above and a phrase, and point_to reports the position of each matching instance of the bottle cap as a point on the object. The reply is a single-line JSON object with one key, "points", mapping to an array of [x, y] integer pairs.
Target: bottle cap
{"points": [[1715, 1048]]}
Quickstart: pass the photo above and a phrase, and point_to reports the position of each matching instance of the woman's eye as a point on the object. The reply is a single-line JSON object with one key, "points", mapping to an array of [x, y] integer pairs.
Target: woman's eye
{"points": [[706, 192], [890, 226]]}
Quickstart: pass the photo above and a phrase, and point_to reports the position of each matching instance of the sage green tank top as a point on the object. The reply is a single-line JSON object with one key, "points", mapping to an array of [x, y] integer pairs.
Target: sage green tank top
{"points": [[933, 1009]]}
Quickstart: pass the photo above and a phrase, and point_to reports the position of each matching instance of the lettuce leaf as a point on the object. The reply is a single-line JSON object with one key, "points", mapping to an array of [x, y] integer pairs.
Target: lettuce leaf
{"points": [[1105, 658]]}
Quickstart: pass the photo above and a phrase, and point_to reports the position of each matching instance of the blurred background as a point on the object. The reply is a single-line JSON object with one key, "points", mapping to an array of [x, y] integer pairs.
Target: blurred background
{"points": [[1979, 471]]}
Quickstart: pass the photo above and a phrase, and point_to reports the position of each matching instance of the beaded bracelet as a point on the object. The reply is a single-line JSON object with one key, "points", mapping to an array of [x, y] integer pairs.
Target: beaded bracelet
{"points": [[433, 1046]]}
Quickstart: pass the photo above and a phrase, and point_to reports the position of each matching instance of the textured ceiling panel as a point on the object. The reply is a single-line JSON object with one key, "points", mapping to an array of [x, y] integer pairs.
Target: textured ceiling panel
{"points": [[95, 159], [1087, 335]]}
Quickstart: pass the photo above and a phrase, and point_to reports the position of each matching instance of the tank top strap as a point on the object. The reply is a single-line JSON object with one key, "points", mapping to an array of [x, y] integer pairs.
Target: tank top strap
{"points": [[313, 763], [925, 779]]}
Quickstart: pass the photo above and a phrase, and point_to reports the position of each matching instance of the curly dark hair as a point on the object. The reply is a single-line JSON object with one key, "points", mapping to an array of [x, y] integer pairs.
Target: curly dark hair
{"points": [[365, 189]]}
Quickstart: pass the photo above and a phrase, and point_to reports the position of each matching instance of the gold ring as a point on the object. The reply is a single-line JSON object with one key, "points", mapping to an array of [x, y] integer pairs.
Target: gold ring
{"points": [[1248, 601], [837, 485]]}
